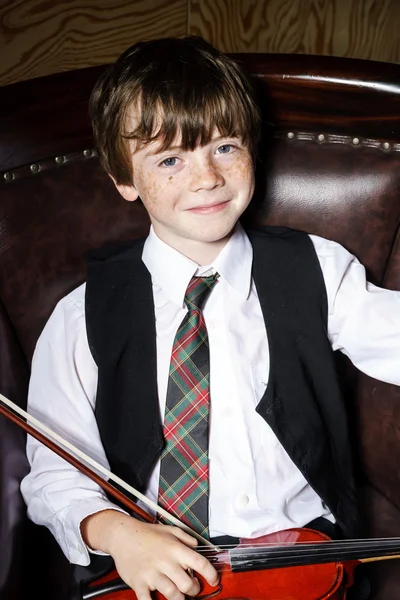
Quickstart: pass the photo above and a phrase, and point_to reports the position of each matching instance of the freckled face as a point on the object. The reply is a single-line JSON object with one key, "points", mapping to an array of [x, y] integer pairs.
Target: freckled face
{"points": [[193, 196]]}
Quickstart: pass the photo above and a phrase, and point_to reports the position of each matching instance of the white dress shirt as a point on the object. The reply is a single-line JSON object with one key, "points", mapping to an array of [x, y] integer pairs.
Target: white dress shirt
{"points": [[255, 488]]}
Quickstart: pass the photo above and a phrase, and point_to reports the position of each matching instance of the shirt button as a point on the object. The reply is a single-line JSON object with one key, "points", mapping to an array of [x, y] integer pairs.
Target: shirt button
{"points": [[243, 500], [229, 412], [79, 548]]}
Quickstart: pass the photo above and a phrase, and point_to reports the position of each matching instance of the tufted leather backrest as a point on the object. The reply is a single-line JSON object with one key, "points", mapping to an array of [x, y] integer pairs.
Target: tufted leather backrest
{"points": [[329, 165]]}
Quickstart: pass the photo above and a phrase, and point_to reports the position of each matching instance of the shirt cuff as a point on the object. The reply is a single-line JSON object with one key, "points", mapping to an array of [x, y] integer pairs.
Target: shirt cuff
{"points": [[72, 543]]}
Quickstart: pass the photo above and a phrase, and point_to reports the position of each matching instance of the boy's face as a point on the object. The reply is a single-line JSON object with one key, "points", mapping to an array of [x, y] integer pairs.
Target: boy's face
{"points": [[194, 198]]}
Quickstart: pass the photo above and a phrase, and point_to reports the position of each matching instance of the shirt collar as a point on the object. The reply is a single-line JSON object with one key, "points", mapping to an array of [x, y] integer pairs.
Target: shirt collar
{"points": [[172, 271]]}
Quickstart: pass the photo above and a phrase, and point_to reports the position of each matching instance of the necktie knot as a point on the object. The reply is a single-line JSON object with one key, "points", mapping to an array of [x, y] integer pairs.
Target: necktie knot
{"points": [[198, 291]]}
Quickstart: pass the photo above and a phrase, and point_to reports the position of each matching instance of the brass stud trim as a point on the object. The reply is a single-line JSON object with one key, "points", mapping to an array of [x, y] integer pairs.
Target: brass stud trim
{"points": [[335, 138], [46, 164]]}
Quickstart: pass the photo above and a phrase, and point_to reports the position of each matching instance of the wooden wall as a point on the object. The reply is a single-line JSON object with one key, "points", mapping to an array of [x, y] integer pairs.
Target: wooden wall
{"points": [[39, 37]]}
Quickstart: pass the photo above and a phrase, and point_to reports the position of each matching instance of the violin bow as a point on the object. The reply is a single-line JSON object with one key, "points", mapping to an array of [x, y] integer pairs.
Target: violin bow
{"points": [[42, 433]]}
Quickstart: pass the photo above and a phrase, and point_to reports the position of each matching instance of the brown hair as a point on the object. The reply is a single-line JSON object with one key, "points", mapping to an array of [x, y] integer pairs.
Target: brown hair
{"points": [[187, 84]]}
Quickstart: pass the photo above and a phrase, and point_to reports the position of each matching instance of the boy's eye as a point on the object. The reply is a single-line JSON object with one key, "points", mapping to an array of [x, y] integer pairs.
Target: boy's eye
{"points": [[225, 148], [169, 162]]}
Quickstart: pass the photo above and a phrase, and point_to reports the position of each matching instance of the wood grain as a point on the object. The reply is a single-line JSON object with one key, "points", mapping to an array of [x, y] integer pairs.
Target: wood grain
{"points": [[39, 37], [367, 29]]}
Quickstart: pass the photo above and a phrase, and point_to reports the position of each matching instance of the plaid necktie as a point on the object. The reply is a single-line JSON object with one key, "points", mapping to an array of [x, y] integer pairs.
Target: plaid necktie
{"points": [[183, 489]]}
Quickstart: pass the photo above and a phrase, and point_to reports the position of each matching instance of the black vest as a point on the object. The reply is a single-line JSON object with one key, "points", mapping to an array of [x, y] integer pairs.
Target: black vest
{"points": [[302, 402]]}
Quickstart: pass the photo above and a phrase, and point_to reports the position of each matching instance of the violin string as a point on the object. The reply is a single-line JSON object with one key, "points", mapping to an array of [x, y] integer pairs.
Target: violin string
{"points": [[315, 558], [332, 551], [261, 545], [304, 550], [329, 555], [322, 550], [296, 561], [304, 559]]}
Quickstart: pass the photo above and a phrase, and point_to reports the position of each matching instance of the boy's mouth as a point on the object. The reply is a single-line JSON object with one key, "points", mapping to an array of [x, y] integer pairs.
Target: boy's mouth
{"points": [[209, 208]]}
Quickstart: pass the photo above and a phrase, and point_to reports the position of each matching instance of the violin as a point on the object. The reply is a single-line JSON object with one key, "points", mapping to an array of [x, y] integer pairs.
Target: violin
{"points": [[294, 564]]}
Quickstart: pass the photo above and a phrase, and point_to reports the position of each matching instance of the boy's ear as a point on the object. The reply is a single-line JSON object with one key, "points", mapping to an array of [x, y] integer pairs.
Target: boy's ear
{"points": [[128, 192]]}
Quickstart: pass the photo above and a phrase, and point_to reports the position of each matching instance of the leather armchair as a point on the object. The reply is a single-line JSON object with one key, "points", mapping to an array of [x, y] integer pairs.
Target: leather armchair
{"points": [[329, 165]]}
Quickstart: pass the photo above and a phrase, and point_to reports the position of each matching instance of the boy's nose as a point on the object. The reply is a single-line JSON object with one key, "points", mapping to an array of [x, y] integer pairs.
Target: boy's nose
{"points": [[205, 176]]}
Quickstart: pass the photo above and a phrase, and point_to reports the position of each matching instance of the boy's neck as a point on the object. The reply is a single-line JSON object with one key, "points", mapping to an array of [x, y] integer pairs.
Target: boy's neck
{"points": [[202, 253]]}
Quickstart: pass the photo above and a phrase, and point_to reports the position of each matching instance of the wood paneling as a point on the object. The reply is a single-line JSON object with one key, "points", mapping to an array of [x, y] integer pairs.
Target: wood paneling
{"points": [[366, 29], [39, 37]]}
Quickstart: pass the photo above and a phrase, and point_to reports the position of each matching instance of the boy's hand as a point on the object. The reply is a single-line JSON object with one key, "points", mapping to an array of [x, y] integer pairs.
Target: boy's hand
{"points": [[149, 556]]}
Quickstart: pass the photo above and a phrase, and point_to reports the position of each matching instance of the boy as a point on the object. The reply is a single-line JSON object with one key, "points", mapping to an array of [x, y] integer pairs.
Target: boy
{"points": [[200, 310]]}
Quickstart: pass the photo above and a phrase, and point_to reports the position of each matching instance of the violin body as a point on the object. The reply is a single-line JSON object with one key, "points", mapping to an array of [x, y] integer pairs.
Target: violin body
{"points": [[310, 582]]}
